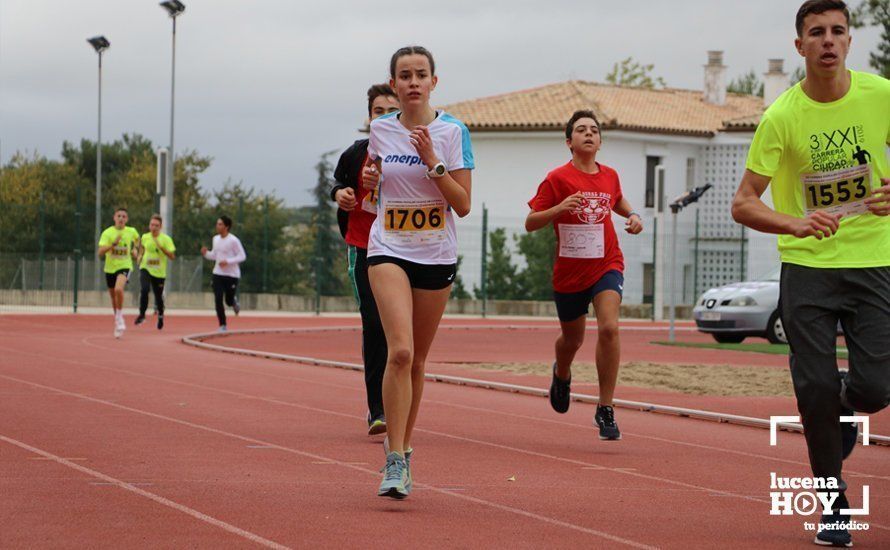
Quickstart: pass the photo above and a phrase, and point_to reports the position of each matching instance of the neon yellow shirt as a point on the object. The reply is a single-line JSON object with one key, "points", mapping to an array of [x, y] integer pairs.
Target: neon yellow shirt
{"points": [[119, 257], [829, 156], [153, 260]]}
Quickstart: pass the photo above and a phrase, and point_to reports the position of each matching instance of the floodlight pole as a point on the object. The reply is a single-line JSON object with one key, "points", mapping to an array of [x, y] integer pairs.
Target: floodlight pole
{"points": [[100, 44], [172, 151]]}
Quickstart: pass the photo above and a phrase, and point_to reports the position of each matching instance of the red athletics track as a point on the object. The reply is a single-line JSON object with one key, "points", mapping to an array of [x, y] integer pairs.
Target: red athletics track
{"points": [[145, 442]]}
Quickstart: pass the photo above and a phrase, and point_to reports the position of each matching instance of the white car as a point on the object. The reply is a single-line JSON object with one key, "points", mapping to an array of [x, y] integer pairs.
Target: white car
{"points": [[735, 311]]}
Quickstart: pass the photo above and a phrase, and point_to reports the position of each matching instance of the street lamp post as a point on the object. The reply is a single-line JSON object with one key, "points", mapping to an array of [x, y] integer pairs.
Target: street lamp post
{"points": [[174, 8], [100, 44], [681, 202]]}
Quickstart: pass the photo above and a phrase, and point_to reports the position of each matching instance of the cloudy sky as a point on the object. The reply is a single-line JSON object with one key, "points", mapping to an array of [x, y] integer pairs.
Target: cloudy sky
{"points": [[266, 86]]}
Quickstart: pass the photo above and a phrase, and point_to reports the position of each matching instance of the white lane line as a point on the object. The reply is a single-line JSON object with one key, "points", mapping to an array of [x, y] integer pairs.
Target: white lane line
{"points": [[422, 430], [586, 427], [253, 537], [196, 340], [495, 505]]}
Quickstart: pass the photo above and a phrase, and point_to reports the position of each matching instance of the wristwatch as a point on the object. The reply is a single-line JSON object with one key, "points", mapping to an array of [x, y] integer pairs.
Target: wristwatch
{"points": [[436, 171]]}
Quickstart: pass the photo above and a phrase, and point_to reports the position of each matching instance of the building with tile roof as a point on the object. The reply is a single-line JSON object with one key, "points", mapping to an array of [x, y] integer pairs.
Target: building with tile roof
{"points": [[692, 136]]}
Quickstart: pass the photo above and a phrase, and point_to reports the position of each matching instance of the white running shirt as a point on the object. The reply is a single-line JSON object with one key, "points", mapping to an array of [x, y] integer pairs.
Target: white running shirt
{"points": [[230, 250], [414, 222]]}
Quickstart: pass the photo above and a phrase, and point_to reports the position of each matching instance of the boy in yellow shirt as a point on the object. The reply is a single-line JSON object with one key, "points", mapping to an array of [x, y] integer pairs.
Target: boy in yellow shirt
{"points": [[822, 149], [118, 245], [155, 250]]}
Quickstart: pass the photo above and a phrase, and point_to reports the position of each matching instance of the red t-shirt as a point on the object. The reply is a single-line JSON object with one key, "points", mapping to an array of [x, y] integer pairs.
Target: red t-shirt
{"points": [[360, 220], [587, 246]]}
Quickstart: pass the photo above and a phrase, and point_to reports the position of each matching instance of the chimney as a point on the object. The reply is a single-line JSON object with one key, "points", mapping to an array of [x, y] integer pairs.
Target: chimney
{"points": [[715, 79], [775, 81]]}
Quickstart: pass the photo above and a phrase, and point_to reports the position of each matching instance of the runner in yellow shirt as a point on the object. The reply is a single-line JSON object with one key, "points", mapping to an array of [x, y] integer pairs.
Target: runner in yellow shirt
{"points": [[155, 250], [118, 245], [822, 149]]}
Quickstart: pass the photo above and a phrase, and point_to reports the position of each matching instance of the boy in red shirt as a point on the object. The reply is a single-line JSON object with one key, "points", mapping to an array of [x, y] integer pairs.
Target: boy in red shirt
{"points": [[579, 198]]}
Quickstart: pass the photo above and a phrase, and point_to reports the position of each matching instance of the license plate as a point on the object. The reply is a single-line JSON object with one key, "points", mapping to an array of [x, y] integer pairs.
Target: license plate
{"points": [[710, 316]]}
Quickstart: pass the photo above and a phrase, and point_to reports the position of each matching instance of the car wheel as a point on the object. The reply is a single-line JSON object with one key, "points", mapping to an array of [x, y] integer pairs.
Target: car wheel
{"points": [[775, 332], [729, 338]]}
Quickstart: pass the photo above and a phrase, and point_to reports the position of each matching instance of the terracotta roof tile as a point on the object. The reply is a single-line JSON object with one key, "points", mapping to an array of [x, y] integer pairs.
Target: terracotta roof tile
{"points": [[617, 107]]}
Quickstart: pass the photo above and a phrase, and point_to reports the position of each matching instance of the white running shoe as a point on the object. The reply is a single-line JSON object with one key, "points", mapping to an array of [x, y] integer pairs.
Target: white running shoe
{"points": [[118, 332]]}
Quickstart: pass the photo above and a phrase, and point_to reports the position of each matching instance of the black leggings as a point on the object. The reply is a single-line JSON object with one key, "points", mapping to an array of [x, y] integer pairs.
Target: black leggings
{"points": [[224, 287], [156, 285], [373, 338]]}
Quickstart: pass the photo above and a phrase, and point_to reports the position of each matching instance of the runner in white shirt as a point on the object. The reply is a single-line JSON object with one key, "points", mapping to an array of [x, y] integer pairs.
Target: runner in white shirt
{"points": [[425, 157], [228, 254]]}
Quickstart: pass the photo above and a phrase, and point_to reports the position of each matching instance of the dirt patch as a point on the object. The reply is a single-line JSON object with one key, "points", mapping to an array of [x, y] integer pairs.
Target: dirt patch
{"points": [[719, 380]]}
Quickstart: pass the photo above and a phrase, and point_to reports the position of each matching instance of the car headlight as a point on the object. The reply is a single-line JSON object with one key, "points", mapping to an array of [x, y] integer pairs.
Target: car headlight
{"points": [[743, 301]]}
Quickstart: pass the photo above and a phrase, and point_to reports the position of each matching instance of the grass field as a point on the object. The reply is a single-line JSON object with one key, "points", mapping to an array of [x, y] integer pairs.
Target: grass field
{"points": [[753, 347]]}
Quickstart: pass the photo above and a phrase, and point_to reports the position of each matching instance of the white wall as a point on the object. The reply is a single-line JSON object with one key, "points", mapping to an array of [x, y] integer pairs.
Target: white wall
{"points": [[510, 165]]}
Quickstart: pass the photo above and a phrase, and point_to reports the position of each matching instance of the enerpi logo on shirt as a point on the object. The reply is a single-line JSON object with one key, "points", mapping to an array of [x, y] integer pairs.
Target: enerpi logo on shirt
{"points": [[410, 160], [594, 207]]}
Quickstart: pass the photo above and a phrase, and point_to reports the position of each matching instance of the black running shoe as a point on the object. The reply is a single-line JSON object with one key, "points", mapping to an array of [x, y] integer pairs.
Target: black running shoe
{"points": [[836, 535], [849, 430], [160, 322], [605, 419], [559, 392], [376, 425], [139, 320]]}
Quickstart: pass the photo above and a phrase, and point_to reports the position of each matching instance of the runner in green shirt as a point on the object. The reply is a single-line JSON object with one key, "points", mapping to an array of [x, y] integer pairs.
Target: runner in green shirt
{"points": [[155, 250], [118, 245], [822, 149]]}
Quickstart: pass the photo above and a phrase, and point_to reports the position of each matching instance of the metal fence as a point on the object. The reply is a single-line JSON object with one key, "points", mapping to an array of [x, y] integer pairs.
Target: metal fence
{"points": [[703, 259]]}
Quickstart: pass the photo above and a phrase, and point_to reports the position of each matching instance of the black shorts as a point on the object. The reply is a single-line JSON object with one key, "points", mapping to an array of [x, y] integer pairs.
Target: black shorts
{"points": [[111, 278], [571, 305], [421, 276]]}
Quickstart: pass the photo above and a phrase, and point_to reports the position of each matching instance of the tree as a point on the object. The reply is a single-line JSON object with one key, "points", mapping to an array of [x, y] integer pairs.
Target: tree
{"points": [[37, 205], [129, 175], [327, 274], [876, 13], [798, 74], [539, 250], [748, 83], [285, 247], [459, 291], [259, 221], [500, 271], [629, 72]]}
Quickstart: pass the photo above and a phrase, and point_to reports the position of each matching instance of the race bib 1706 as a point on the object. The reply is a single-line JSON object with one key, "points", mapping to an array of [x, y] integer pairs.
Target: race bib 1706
{"points": [[839, 191], [414, 222]]}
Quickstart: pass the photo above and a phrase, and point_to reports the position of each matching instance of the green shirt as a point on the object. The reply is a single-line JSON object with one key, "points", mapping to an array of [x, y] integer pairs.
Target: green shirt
{"points": [[153, 260], [829, 156], [119, 257]]}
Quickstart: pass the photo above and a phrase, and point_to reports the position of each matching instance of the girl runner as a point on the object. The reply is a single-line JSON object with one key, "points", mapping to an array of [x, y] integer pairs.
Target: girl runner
{"points": [[425, 157]]}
